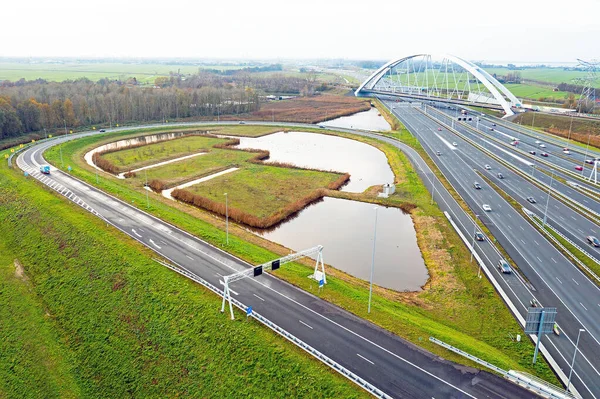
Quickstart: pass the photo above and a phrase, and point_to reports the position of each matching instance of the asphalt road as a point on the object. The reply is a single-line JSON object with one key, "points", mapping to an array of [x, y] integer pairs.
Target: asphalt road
{"points": [[555, 282], [385, 360]]}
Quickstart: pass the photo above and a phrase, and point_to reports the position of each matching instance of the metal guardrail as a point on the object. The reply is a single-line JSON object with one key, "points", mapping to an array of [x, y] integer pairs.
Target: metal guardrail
{"points": [[532, 383], [367, 386], [533, 218]]}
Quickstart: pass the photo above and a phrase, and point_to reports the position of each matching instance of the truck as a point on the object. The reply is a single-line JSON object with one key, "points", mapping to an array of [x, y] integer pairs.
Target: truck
{"points": [[45, 169]]}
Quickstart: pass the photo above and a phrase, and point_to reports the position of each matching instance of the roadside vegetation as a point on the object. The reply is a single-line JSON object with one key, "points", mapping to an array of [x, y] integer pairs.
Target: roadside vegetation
{"points": [[454, 305], [89, 314]]}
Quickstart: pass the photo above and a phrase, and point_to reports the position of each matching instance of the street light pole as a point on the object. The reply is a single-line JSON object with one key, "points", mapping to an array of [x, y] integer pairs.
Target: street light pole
{"points": [[474, 232], [548, 200], [432, 187], [573, 361], [146, 188], [372, 262], [226, 219]]}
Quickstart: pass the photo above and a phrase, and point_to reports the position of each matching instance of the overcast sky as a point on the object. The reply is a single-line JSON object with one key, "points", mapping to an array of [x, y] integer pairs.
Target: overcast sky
{"points": [[536, 31]]}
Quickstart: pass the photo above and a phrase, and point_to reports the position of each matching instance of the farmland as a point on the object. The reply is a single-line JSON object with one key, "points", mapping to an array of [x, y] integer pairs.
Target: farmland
{"points": [[550, 75]]}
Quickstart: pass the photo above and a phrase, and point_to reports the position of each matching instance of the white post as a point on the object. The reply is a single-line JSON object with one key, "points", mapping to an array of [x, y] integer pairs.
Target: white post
{"points": [[372, 262], [573, 361], [145, 187], [320, 261], [226, 219], [548, 200], [432, 187], [473, 242]]}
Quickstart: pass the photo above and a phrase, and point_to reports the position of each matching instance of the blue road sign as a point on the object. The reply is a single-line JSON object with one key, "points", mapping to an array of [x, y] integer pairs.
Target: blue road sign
{"points": [[248, 310], [26, 174], [321, 282], [69, 169]]}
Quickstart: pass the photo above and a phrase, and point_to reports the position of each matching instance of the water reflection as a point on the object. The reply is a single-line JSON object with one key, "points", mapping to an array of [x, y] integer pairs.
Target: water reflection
{"points": [[366, 120], [345, 229]]}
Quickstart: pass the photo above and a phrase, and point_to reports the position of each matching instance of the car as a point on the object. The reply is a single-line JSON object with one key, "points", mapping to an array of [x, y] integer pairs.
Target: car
{"points": [[542, 145], [504, 267], [486, 208], [438, 153], [537, 141], [479, 236], [566, 152], [579, 168], [593, 240], [514, 143], [500, 175], [532, 152], [534, 303], [102, 130], [439, 129], [322, 126], [493, 124], [470, 118], [242, 123], [544, 154], [487, 167], [477, 186], [589, 161], [531, 200], [491, 128]]}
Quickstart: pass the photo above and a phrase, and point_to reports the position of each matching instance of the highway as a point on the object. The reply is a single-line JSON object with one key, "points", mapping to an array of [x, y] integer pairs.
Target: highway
{"points": [[551, 278], [563, 217], [390, 363]]}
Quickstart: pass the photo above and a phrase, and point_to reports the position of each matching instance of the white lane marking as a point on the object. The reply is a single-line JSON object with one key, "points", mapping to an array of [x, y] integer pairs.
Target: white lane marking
{"points": [[523, 242], [163, 242], [136, 233], [305, 324], [583, 306], [155, 244], [364, 358], [573, 217], [581, 231], [509, 227], [521, 227], [189, 257], [538, 258], [559, 280], [575, 281], [536, 243], [258, 297], [553, 260], [232, 291]]}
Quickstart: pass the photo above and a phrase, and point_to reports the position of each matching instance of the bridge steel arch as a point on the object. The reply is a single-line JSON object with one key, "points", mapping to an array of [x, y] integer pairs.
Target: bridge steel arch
{"points": [[501, 94]]}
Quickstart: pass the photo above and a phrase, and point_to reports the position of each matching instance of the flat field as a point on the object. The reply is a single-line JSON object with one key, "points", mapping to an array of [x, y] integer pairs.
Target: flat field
{"points": [[550, 75], [535, 92]]}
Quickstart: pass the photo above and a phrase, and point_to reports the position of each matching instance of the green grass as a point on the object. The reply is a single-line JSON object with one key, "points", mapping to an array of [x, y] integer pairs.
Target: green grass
{"points": [[33, 362], [263, 190], [550, 75], [457, 307], [134, 158], [535, 92], [101, 319]]}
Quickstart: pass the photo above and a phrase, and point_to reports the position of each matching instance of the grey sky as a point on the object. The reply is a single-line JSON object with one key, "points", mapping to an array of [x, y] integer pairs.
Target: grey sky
{"points": [[501, 31]]}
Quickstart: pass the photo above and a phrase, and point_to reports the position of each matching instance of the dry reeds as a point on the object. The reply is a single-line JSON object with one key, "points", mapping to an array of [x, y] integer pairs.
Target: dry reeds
{"points": [[127, 175], [103, 164], [158, 185]]}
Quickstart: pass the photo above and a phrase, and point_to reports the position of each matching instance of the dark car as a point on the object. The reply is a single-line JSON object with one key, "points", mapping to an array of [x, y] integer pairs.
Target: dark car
{"points": [[102, 130], [438, 153], [493, 124], [589, 161], [532, 152], [477, 186], [504, 267], [593, 240], [479, 236], [531, 199]]}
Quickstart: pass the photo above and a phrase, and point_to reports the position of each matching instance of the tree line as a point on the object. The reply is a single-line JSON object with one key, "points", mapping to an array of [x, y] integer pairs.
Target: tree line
{"points": [[32, 106]]}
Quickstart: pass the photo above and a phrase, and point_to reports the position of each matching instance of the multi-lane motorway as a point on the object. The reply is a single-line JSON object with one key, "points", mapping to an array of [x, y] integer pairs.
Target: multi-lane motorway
{"points": [[388, 362], [551, 278]]}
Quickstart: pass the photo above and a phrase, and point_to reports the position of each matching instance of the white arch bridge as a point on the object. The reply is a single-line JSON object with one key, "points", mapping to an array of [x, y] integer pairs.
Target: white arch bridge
{"points": [[444, 78]]}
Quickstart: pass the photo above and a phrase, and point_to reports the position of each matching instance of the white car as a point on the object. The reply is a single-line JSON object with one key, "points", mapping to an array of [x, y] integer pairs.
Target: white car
{"points": [[537, 141], [542, 145], [487, 167], [486, 208], [566, 152]]}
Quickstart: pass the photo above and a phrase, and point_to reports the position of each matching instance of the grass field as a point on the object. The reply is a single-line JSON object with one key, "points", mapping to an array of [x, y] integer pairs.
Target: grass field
{"points": [[535, 92], [581, 130], [455, 305], [98, 318], [550, 75], [262, 190]]}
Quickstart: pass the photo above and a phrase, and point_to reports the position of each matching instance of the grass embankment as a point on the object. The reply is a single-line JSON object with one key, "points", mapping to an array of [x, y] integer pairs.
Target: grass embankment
{"points": [[98, 318], [454, 306], [581, 130]]}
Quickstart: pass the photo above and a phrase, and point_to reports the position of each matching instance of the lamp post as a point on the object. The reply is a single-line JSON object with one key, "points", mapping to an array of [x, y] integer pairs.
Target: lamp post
{"points": [[573, 361], [372, 261], [548, 199], [146, 188], [226, 219], [473, 242]]}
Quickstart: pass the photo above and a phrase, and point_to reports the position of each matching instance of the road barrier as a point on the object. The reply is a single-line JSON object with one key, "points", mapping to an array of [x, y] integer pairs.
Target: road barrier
{"points": [[527, 381], [533, 218]]}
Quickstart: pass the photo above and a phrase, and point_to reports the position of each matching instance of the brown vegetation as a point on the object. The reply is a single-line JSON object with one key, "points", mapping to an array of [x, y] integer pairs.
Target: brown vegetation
{"points": [[103, 164], [581, 130], [158, 185], [129, 174], [251, 220]]}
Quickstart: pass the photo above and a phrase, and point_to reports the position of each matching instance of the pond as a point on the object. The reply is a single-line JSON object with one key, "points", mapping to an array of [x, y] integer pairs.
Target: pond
{"points": [[366, 164], [366, 120], [345, 229]]}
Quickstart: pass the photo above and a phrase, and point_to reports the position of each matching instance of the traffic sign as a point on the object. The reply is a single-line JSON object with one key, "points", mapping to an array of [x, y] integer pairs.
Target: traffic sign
{"points": [[26, 174], [258, 271], [321, 283], [534, 318], [275, 264], [69, 168], [248, 310]]}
